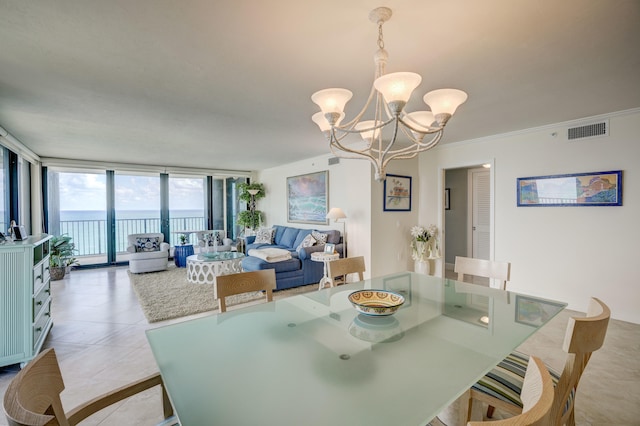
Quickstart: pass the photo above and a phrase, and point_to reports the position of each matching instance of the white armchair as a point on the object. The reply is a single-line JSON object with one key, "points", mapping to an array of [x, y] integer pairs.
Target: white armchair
{"points": [[147, 252], [213, 240]]}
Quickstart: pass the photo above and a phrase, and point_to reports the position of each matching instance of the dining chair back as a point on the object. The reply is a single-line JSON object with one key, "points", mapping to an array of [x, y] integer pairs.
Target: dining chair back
{"points": [[244, 282], [33, 396], [343, 267], [499, 272], [537, 398], [584, 335]]}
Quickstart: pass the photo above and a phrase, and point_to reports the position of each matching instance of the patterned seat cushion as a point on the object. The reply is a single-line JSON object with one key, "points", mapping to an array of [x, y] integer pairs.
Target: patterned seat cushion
{"points": [[505, 381]]}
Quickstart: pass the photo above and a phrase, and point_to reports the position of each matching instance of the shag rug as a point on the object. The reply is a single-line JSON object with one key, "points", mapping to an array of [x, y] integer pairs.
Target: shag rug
{"points": [[167, 294]]}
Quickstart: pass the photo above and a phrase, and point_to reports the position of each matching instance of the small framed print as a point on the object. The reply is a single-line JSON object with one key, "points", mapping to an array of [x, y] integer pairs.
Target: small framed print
{"points": [[329, 248], [19, 233], [397, 193]]}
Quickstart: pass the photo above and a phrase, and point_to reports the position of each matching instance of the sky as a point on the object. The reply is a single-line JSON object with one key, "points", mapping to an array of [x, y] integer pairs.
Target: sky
{"points": [[87, 191]]}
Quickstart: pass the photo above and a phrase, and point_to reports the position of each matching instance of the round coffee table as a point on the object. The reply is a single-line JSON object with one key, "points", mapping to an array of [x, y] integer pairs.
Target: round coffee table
{"points": [[203, 268]]}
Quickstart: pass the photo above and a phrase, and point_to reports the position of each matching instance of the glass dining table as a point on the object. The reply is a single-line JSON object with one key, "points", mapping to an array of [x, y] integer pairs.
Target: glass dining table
{"points": [[312, 359]]}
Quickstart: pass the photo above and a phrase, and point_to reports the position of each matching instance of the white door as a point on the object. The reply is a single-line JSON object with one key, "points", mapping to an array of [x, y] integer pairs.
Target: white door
{"points": [[480, 213]]}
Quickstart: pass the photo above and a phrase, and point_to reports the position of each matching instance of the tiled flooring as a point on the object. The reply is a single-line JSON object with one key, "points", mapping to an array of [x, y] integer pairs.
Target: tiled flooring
{"points": [[99, 337]]}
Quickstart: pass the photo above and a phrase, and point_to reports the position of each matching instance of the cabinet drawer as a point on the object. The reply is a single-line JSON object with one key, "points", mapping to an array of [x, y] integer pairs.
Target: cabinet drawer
{"points": [[40, 300], [41, 323], [37, 277], [45, 271]]}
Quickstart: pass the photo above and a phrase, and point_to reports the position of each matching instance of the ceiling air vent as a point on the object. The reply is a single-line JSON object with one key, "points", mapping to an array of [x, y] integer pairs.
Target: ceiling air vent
{"points": [[334, 160], [589, 131]]}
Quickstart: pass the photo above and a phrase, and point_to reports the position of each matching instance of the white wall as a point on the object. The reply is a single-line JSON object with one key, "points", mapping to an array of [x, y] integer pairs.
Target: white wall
{"points": [[562, 253]]}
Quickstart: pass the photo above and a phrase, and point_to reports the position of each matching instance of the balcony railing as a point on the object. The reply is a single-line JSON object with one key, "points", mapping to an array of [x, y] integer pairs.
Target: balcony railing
{"points": [[90, 236]]}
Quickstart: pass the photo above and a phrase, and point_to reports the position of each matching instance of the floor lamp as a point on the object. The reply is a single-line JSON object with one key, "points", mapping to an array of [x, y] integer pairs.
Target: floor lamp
{"points": [[338, 215]]}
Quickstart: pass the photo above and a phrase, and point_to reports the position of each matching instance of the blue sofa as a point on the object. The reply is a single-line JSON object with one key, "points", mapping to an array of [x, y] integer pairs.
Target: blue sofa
{"points": [[300, 269]]}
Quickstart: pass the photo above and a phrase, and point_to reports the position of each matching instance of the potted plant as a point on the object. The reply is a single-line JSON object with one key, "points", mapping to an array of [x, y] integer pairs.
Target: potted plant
{"points": [[61, 256], [249, 193]]}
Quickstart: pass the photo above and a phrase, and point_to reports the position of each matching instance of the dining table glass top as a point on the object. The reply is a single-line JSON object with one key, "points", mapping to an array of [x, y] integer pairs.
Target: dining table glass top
{"points": [[313, 359]]}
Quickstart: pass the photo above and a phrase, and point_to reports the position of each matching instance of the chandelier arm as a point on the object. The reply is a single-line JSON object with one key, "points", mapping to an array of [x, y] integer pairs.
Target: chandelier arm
{"points": [[336, 143], [413, 150], [364, 109], [379, 126]]}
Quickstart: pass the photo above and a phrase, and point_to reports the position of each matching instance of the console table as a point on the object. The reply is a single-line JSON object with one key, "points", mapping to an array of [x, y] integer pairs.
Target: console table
{"points": [[25, 298]]}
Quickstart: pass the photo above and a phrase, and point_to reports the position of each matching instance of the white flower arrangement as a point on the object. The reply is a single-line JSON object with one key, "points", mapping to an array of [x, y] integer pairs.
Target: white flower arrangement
{"points": [[424, 243]]}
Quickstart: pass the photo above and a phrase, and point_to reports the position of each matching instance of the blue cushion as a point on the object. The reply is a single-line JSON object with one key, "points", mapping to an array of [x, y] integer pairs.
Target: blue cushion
{"points": [[289, 237], [279, 232], [301, 236]]}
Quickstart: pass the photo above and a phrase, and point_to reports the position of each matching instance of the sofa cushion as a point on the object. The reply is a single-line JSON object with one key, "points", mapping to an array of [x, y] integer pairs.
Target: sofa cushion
{"points": [[251, 263], [302, 234], [289, 237], [307, 241], [265, 236], [334, 236], [145, 244], [320, 237]]}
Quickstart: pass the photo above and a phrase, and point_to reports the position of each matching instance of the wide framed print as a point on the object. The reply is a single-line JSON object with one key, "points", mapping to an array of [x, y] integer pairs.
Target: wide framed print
{"points": [[397, 193], [308, 198], [575, 190]]}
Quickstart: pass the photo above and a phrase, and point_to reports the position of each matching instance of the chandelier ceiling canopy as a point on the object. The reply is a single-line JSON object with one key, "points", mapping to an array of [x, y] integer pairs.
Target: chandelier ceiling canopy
{"points": [[388, 97]]}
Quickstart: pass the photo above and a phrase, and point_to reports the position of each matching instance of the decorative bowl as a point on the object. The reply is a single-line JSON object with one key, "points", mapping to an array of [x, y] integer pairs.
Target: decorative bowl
{"points": [[376, 302]]}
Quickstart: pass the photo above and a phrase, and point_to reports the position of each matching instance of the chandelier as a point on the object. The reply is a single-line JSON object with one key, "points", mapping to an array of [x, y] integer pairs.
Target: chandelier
{"points": [[389, 95]]}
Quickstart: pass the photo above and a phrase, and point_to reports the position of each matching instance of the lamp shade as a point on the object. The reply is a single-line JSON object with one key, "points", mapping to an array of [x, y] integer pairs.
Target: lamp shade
{"points": [[322, 122], [397, 86], [445, 101], [366, 132], [336, 213], [420, 120], [332, 100]]}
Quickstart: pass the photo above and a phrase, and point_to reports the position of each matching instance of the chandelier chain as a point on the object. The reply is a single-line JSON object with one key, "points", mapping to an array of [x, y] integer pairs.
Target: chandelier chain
{"points": [[380, 37]]}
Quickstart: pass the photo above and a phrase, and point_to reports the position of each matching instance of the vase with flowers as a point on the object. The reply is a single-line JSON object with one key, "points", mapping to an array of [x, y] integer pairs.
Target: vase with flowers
{"points": [[424, 246]]}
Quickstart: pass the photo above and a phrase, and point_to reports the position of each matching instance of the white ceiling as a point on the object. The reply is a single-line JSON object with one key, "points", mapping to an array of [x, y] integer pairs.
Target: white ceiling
{"points": [[227, 84]]}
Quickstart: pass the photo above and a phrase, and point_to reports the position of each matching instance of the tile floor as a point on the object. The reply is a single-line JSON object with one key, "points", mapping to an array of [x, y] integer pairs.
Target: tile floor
{"points": [[99, 337]]}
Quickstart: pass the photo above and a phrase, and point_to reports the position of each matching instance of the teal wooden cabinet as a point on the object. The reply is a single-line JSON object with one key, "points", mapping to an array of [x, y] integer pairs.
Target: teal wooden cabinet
{"points": [[25, 298]]}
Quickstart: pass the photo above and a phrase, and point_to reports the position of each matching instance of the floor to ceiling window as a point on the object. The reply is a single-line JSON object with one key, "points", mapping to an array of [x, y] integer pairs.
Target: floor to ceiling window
{"points": [[187, 201], [100, 208], [77, 207], [137, 207]]}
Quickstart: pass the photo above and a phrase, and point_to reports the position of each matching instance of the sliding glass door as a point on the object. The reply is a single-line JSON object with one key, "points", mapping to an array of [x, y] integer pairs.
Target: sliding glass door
{"points": [[187, 212], [77, 208], [4, 190], [137, 207]]}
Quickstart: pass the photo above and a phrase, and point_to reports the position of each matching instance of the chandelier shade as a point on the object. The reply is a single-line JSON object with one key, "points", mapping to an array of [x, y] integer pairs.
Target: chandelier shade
{"points": [[389, 96]]}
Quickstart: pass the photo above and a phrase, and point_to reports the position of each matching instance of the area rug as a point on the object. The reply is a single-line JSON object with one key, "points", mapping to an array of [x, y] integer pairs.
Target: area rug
{"points": [[167, 294]]}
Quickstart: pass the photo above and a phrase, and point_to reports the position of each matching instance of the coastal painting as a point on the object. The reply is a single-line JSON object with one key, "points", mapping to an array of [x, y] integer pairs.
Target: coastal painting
{"points": [[307, 198], [577, 189], [397, 193]]}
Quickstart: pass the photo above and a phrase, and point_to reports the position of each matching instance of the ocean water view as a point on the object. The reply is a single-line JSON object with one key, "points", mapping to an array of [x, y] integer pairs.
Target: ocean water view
{"points": [[88, 227]]}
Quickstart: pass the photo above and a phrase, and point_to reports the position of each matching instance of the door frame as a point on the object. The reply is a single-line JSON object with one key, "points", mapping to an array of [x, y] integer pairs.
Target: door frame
{"points": [[441, 211]]}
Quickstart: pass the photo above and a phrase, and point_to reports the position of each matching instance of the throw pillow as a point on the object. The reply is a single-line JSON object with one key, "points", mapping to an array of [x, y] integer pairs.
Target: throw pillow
{"points": [[213, 239], [307, 242], [320, 237], [144, 244], [265, 236]]}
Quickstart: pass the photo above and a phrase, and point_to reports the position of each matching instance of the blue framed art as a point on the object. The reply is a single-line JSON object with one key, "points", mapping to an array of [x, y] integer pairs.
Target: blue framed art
{"points": [[397, 193], [574, 190]]}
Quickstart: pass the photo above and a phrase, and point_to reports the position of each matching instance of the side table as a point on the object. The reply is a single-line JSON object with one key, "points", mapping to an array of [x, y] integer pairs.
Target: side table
{"points": [[180, 254], [326, 258]]}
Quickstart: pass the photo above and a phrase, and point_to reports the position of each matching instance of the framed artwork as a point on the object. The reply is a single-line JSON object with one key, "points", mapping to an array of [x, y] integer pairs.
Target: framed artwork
{"points": [[575, 190], [397, 193], [535, 312], [308, 197], [447, 196], [329, 248]]}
